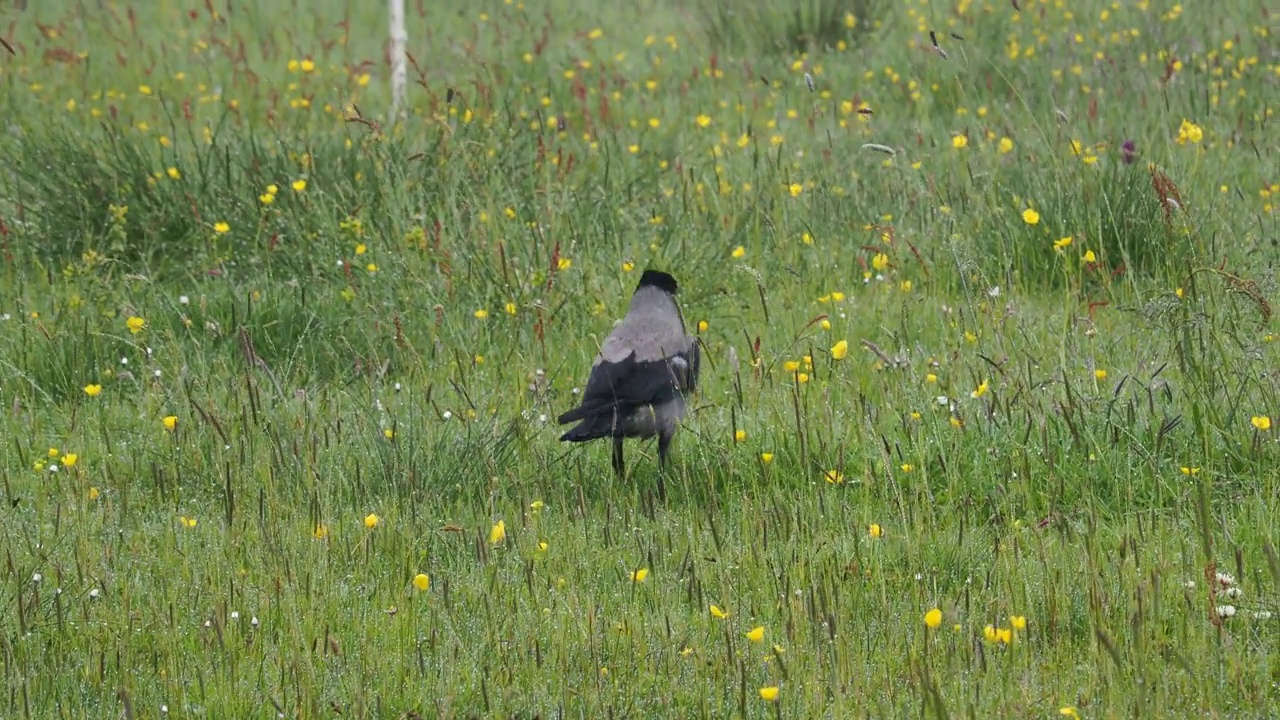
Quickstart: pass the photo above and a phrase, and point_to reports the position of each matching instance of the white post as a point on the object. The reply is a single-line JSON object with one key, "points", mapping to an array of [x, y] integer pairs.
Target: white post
{"points": [[398, 71]]}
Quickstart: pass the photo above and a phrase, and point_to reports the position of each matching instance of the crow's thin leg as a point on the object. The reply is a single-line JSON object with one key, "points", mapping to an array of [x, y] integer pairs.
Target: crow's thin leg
{"points": [[619, 466], [664, 453]]}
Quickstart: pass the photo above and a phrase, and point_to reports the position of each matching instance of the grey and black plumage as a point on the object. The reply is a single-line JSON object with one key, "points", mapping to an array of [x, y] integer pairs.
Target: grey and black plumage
{"points": [[641, 376]]}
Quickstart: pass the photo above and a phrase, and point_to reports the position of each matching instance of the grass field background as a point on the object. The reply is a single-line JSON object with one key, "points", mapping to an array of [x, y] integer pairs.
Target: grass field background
{"points": [[985, 418]]}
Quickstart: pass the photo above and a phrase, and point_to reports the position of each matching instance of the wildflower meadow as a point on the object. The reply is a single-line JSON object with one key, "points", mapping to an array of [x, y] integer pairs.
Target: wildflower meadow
{"points": [[987, 417]]}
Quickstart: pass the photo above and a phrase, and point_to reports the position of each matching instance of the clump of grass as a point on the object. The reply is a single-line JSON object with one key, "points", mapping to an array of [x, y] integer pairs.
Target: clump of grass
{"points": [[786, 28]]}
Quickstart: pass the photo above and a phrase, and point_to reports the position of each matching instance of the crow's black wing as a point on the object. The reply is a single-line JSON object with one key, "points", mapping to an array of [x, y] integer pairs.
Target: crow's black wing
{"points": [[630, 383]]}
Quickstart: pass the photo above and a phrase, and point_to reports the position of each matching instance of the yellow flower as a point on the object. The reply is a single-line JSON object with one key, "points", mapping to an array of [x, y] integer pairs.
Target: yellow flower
{"points": [[1069, 711], [1061, 243], [933, 618], [876, 531], [564, 264], [931, 378], [266, 198], [880, 262], [628, 266], [53, 452], [299, 185], [1089, 257], [173, 173], [702, 121], [980, 391], [795, 189], [791, 365], [1190, 470], [170, 422], [717, 613], [1005, 145], [1019, 622], [1189, 131], [361, 249], [835, 477], [498, 532], [1262, 422], [308, 65], [992, 634], [766, 458], [756, 634], [1030, 217], [840, 350], [92, 390], [537, 506], [187, 522], [389, 434], [739, 435], [422, 581], [320, 532], [371, 521], [481, 314], [703, 325], [371, 267], [639, 575], [93, 493], [1100, 374], [739, 252], [769, 694], [511, 308], [69, 460], [959, 142], [135, 324]]}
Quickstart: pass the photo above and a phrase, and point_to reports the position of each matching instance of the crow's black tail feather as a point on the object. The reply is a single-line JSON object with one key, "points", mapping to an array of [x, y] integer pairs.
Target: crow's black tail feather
{"points": [[591, 428]]}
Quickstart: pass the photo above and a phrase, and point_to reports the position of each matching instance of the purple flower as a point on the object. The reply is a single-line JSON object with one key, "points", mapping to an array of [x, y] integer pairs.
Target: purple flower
{"points": [[1128, 153]]}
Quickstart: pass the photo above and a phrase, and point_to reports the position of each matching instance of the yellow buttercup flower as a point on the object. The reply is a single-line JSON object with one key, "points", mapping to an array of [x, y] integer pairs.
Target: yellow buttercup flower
{"points": [[840, 350]]}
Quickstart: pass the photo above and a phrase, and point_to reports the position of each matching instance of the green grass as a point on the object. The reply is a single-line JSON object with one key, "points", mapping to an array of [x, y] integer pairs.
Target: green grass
{"points": [[1015, 432]]}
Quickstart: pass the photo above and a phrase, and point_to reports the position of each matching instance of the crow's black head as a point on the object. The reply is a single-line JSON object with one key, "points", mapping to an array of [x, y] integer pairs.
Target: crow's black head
{"points": [[658, 279]]}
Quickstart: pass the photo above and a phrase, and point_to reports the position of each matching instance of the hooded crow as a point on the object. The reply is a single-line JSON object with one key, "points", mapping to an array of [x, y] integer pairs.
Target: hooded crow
{"points": [[640, 377]]}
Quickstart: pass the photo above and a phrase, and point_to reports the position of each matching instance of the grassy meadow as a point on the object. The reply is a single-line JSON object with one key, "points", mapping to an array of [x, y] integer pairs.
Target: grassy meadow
{"points": [[985, 421]]}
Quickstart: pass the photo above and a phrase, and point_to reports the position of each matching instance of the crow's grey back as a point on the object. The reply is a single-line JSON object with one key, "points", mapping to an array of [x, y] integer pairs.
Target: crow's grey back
{"points": [[652, 329]]}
